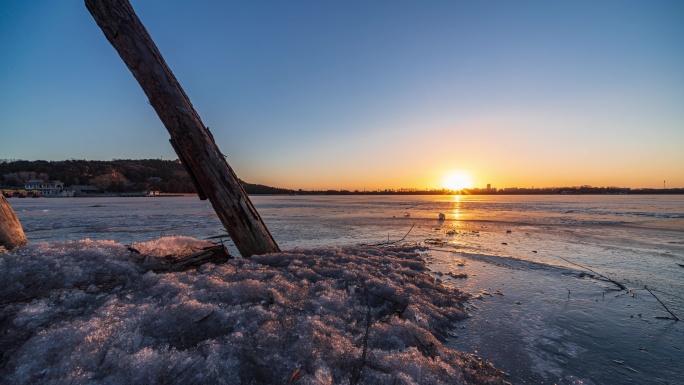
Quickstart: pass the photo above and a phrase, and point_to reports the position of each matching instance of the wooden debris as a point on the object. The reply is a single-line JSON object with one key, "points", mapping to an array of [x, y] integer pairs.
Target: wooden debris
{"points": [[212, 254]]}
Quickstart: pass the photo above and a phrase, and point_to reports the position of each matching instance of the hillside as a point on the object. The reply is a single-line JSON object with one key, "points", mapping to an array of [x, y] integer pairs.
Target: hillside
{"points": [[120, 175]]}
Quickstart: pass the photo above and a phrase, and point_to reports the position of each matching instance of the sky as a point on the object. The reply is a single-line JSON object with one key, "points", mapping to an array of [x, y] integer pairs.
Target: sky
{"points": [[366, 95]]}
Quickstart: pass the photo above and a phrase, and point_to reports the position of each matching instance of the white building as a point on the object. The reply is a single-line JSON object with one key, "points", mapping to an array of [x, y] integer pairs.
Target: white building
{"points": [[46, 188]]}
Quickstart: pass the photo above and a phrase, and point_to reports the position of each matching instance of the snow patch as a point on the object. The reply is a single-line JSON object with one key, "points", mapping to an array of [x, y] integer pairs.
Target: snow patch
{"points": [[91, 312]]}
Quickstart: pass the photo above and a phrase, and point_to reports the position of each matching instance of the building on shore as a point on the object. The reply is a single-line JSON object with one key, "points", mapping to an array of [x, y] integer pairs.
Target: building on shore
{"points": [[52, 188], [84, 190]]}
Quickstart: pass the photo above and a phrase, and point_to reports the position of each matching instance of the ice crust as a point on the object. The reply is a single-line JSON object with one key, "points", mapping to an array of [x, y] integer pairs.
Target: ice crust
{"points": [[86, 312]]}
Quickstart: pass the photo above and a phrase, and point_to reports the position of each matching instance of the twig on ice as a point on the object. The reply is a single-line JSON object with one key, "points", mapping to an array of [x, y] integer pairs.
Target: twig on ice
{"points": [[661, 302], [356, 375], [393, 242], [621, 286]]}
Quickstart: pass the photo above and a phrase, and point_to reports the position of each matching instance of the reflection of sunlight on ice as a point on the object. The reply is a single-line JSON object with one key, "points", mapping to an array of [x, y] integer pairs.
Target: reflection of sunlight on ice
{"points": [[457, 207]]}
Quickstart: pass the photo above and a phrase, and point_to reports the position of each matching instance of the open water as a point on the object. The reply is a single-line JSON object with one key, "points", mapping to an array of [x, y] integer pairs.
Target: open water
{"points": [[539, 267]]}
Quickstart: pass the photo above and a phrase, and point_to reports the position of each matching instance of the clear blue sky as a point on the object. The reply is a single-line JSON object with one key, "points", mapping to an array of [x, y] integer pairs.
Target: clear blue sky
{"points": [[366, 94]]}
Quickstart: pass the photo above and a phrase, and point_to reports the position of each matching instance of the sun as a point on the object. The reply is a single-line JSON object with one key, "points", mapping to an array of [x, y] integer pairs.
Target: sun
{"points": [[457, 180]]}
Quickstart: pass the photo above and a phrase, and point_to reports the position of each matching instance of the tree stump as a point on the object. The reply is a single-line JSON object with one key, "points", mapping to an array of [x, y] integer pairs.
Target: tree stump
{"points": [[11, 233]]}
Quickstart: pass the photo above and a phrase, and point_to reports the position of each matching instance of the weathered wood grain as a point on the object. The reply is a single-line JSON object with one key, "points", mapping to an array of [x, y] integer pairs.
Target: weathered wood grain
{"points": [[11, 233], [191, 140]]}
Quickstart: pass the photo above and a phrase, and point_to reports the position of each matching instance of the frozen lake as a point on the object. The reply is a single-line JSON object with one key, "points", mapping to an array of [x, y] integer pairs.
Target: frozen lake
{"points": [[553, 321]]}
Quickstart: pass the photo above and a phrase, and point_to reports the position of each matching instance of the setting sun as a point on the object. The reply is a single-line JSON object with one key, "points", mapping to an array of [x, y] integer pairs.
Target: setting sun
{"points": [[457, 181]]}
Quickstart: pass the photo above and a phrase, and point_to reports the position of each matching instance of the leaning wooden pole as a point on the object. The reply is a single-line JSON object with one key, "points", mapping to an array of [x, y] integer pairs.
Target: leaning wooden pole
{"points": [[191, 140], [11, 233]]}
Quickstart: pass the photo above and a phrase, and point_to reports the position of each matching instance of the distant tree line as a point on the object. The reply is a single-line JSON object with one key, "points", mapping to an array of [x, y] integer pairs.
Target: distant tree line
{"points": [[119, 175], [587, 190]]}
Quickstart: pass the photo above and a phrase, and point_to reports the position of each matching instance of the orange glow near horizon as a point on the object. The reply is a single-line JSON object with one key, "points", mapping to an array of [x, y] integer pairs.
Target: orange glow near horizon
{"points": [[457, 180]]}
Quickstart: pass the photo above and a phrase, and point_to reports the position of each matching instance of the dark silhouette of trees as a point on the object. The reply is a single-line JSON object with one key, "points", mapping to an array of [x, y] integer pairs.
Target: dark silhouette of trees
{"points": [[119, 175]]}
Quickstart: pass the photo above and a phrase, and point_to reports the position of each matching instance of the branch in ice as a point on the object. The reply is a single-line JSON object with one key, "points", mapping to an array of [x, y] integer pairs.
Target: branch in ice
{"points": [[661, 302], [393, 242], [618, 284]]}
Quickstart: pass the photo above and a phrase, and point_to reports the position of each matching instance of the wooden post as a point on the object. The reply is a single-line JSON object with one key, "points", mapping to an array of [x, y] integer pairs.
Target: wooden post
{"points": [[11, 233], [191, 140]]}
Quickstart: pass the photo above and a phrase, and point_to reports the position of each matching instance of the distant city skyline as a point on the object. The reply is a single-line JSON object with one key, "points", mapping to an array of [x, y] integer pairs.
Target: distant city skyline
{"points": [[353, 95]]}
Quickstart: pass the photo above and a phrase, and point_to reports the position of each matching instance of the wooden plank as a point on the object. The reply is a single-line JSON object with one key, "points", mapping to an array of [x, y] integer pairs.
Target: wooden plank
{"points": [[11, 233], [190, 138]]}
